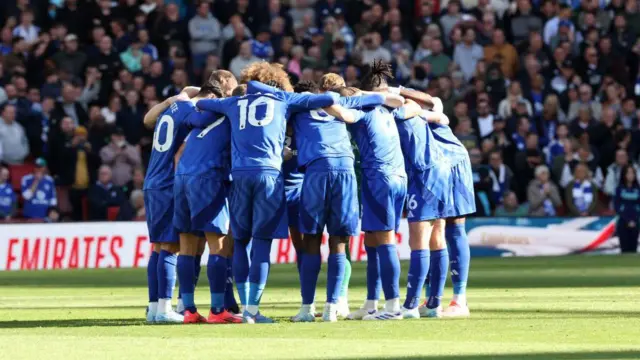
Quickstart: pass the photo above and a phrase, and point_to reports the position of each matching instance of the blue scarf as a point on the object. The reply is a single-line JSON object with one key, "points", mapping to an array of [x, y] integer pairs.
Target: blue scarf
{"points": [[549, 209], [582, 195], [519, 141]]}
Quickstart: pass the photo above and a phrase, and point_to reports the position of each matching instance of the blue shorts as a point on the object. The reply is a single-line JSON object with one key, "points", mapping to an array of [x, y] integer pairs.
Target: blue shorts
{"points": [[441, 192], [383, 198], [201, 204], [330, 198], [258, 205], [292, 194], [158, 205]]}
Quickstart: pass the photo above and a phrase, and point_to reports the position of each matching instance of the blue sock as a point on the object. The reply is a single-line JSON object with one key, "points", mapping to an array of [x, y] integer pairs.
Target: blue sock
{"points": [[187, 275], [259, 270], [309, 277], [373, 274], [166, 274], [459, 256], [418, 270], [229, 295], [299, 256], [241, 269], [152, 277], [437, 276], [197, 260], [217, 274], [389, 270], [335, 273]]}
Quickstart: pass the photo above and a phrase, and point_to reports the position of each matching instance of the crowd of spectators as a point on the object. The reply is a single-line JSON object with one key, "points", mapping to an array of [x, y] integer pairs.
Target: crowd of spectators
{"points": [[543, 93]]}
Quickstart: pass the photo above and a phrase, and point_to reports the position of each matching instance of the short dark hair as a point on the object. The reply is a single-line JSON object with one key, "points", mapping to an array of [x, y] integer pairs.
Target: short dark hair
{"points": [[226, 80], [240, 90], [306, 86], [211, 87]]}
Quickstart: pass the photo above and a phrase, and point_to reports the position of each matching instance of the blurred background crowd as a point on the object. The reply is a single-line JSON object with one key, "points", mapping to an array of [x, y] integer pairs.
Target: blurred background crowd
{"points": [[543, 93]]}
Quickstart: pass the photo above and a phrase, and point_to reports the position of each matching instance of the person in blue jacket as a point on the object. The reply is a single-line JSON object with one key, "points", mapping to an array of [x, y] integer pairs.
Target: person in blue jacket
{"points": [[38, 191], [7, 196], [627, 206]]}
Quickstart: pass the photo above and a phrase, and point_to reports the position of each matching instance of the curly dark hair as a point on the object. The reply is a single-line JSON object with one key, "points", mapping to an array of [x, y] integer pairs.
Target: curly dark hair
{"points": [[376, 75]]}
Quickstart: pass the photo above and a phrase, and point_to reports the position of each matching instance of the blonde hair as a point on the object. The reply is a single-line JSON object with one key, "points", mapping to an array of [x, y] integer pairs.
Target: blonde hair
{"points": [[331, 81]]}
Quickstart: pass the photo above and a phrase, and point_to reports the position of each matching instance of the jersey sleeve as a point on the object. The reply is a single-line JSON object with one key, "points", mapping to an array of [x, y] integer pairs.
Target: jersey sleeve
{"points": [[302, 102], [357, 115], [216, 105], [359, 102], [399, 114], [200, 119], [258, 87]]}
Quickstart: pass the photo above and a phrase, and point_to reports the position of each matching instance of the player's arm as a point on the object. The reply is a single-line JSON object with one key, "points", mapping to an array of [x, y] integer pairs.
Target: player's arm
{"points": [[201, 119], [302, 102], [258, 87], [153, 114], [341, 113], [220, 106], [176, 158], [435, 117], [420, 97], [409, 110], [389, 99]]}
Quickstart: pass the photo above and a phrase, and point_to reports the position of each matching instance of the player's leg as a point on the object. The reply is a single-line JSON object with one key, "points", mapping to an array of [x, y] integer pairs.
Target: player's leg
{"points": [[343, 297], [202, 242], [220, 252], [230, 303], [269, 222], [293, 195], [152, 283], [419, 235], [459, 260], [437, 271], [312, 221], [296, 240], [163, 232], [396, 191], [342, 224], [189, 244], [241, 210]]}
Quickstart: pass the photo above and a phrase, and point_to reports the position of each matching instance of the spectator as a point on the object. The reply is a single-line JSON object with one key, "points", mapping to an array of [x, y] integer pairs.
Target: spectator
{"points": [[519, 137], [129, 119], [628, 114], [464, 132], [397, 43], [111, 111], [450, 19], [438, 60], [583, 123], [581, 195], [511, 207], [369, 47], [53, 215], [501, 177], [8, 199], [38, 191], [553, 24], [542, 194], [147, 47], [244, 59], [70, 60], [26, 29], [120, 156], [524, 21], [261, 46], [233, 44], [499, 49], [13, 140], [614, 172], [527, 161], [507, 107], [132, 57], [482, 184], [70, 106], [468, 53], [206, 34], [585, 94], [556, 146], [103, 194], [627, 206]]}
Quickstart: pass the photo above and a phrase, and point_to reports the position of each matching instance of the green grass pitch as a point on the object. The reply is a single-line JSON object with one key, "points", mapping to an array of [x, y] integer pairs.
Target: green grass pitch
{"points": [[579, 307]]}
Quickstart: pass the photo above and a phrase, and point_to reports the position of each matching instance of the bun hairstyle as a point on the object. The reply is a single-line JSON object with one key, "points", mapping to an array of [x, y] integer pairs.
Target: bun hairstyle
{"points": [[376, 75]]}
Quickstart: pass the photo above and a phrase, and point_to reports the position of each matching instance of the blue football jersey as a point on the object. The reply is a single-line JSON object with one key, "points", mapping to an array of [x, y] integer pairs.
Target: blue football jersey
{"points": [[258, 123], [416, 139], [320, 135], [208, 146], [377, 137], [450, 147], [169, 133], [292, 175]]}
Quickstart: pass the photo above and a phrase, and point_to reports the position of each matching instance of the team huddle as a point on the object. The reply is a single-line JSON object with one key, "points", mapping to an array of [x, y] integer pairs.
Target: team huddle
{"points": [[236, 166]]}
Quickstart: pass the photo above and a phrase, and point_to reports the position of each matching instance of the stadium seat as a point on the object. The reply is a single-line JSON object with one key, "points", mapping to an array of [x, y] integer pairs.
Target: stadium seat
{"points": [[112, 212], [17, 172]]}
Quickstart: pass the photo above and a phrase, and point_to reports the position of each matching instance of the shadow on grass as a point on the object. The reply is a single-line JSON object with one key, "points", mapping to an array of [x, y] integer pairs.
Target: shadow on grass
{"points": [[74, 323], [624, 354]]}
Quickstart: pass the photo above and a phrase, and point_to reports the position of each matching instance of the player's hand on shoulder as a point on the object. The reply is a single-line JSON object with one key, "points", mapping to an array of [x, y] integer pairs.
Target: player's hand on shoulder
{"points": [[394, 100], [437, 105]]}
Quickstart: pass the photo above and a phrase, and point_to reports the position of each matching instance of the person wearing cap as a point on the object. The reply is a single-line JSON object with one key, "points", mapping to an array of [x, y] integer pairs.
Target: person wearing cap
{"points": [[121, 156], [70, 60], [38, 191]]}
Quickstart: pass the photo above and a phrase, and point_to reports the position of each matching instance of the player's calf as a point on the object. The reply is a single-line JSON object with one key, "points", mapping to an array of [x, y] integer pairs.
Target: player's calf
{"points": [[167, 260], [459, 259], [419, 232], [309, 271], [189, 245], [437, 271], [220, 250]]}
